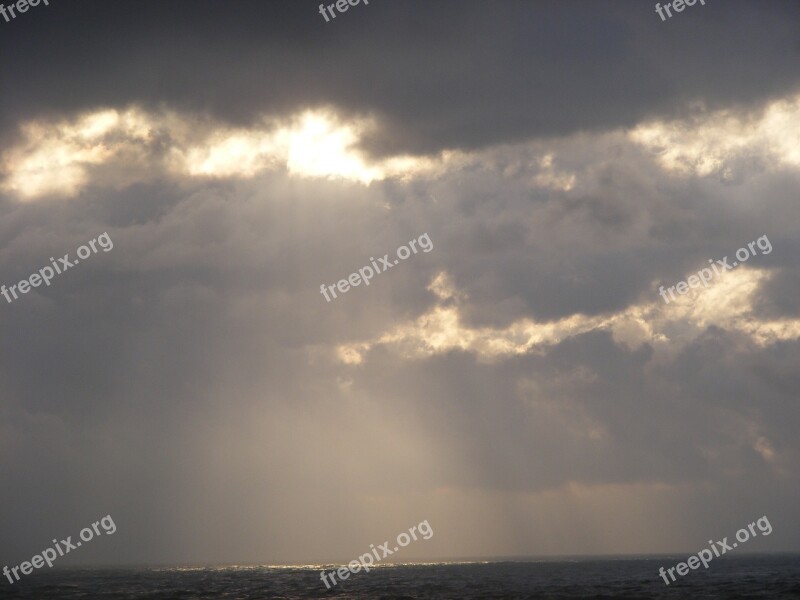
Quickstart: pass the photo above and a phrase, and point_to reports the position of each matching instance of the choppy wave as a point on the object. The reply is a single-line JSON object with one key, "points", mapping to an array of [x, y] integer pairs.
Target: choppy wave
{"points": [[768, 577]]}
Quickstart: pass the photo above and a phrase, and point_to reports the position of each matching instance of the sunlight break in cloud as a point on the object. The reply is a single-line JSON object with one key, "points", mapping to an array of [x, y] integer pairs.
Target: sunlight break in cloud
{"points": [[727, 305], [56, 158], [708, 143]]}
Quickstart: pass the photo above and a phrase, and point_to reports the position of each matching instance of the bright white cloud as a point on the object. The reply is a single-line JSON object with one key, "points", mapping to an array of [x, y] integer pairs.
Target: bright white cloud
{"points": [[709, 142], [727, 304], [56, 158]]}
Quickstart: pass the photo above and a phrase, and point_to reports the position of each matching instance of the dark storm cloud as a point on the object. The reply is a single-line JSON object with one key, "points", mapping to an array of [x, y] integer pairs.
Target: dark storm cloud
{"points": [[653, 422], [522, 251], [593, 412], [450, 74]]}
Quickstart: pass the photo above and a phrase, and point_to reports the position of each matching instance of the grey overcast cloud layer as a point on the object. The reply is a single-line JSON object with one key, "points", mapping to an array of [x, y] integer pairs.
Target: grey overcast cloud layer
{"points": [[522, 387], [439, 74]]}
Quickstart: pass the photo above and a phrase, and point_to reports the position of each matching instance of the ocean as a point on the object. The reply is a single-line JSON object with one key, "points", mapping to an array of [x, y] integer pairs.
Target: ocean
{"points": [[772, 577]]}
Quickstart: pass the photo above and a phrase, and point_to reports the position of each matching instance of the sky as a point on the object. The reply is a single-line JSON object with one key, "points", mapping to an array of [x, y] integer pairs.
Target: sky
{"points": [[522, 385]]}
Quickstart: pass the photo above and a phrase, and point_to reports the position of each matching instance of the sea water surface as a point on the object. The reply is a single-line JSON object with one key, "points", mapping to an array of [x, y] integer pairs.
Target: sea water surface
{"points": [[772, 577]]}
